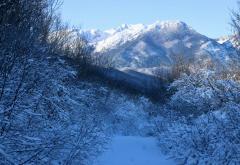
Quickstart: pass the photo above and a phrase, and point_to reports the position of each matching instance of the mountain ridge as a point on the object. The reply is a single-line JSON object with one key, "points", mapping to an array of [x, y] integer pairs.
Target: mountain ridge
{"points": [[142, 46]]}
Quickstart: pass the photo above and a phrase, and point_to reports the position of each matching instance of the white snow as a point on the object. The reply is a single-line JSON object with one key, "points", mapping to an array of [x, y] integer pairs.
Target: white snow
{"points": [[133, 150], [147, 46], [126, 33]]}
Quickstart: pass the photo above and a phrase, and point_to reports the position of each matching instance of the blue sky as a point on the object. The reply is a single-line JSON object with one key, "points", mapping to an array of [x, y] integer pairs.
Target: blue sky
{"points": [[209, 17]]}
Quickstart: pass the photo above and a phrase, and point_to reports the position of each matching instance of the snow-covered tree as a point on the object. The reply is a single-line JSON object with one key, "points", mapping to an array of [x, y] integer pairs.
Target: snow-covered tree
{"points": [[202, 92], [39, 120], [212, 138]]}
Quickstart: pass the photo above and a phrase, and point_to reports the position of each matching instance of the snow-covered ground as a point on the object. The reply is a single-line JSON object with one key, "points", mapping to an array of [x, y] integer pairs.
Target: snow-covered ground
{"points": [[133, 150]]}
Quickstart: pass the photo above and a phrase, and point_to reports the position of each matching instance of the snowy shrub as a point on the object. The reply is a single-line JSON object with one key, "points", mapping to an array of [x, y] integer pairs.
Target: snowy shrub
{"points": [[49, 123], [125, 115], [41, 121], [212, 138], [209, 132], [202, 92]]}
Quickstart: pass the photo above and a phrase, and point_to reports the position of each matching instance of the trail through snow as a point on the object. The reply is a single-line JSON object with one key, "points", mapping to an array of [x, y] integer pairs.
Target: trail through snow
{"points": [[132, 150]]}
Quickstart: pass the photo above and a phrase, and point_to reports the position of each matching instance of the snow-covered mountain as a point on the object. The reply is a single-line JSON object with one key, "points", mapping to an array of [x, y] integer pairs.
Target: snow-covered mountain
{"points": [[229, 41], [157, 45]]}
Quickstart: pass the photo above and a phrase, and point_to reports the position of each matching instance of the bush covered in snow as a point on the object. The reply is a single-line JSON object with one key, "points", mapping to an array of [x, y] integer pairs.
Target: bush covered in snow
{"points": [[50, 123], [212, 138], [207, 130], [203, 92], [41, 121]]}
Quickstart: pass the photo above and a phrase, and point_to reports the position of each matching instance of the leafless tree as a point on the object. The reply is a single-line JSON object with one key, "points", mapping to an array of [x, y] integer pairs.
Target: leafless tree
{"points": [[235, 22], [30, 32]]}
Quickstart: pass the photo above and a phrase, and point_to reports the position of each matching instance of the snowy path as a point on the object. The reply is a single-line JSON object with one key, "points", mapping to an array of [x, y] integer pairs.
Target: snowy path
{"points": [[130, 150]]}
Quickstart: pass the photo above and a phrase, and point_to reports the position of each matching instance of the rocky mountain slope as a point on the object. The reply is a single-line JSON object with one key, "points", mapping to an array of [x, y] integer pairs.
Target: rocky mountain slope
{"points": [[158, 45]]}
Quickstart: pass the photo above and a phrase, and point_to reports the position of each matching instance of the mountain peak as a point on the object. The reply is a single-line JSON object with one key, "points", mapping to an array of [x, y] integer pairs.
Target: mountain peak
{"points": [[127, 32], [138, 29], [169, 23], [170, 26], [164, 25], [154, 45]]}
